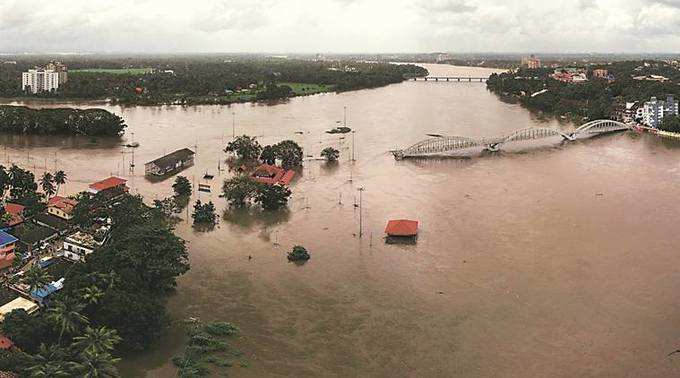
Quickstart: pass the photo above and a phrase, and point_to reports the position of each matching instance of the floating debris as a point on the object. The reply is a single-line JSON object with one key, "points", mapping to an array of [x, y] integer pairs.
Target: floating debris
{"points": [[339, 130]]}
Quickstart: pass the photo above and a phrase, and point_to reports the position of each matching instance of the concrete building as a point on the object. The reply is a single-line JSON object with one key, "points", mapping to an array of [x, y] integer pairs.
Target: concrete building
{"points": [[531, 62], [39, 80], [79, 245], [61, 207], [170, 163], [653, 111], [60, 69]]}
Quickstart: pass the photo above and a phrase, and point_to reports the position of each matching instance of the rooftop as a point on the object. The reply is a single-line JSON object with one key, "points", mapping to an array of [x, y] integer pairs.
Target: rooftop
{"points": [[108, 183], [402, 227], [172, 158], [271, 174], [6, 238], [64, 204], [84, 239], [18, 304]]}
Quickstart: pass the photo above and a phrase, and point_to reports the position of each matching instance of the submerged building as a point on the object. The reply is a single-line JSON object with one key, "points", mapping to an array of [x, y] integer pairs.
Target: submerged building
{"points": [[170, 163]]}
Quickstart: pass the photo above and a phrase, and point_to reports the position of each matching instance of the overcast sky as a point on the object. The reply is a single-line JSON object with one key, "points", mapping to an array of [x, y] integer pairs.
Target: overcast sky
{"points": [[340, 26]]}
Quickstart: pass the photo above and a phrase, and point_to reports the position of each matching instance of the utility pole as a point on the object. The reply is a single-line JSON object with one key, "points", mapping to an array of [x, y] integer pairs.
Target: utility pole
{"points": [[361, 218], [353, 145], [344, 115]]}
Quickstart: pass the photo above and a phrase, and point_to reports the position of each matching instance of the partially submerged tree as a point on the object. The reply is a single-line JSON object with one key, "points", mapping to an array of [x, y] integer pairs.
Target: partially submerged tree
{"points": [[204, 213], [246, 148], [268, 154], [272, 197], [290, 154], [182, 186], [330, 154], [239, 190], [298, 254]]}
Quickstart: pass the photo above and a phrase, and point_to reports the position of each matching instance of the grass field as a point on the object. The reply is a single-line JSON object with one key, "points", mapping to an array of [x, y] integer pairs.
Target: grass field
{"points": [[114, 71], [306, 89]]}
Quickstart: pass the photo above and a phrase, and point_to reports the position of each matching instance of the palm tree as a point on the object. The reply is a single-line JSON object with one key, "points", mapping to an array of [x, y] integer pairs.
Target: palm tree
{"points": [[59, 179], [67, 316], [91, 294], [97, 340], [96, 365], [47, 184], [48, 362], [36, 278]]}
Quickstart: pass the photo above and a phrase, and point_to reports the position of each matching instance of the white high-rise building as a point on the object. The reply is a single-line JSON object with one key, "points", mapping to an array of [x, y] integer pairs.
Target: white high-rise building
{"points": [[39, 80], [653, 112]]}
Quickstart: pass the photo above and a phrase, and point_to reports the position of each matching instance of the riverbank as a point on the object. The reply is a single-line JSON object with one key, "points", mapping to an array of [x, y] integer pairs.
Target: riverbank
{"points": [[512, 270]]}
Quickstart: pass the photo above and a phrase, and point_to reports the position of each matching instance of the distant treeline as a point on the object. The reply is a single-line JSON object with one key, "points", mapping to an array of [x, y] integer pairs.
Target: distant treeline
{"points": [[596, 98], [198, 78], [67, 121]]}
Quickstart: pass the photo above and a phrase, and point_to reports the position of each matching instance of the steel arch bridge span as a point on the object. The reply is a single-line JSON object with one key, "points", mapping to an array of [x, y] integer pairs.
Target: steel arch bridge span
{"points": [[450, 144], [600, 126]]}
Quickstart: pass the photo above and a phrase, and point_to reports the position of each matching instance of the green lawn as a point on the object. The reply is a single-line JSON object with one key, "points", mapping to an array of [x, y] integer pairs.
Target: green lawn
{"points": [[305, 89], [114, 71]]}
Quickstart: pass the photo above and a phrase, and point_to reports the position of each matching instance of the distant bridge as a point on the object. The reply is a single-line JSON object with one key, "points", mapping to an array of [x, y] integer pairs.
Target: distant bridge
{"points": [[451, 78], [448, 144]]}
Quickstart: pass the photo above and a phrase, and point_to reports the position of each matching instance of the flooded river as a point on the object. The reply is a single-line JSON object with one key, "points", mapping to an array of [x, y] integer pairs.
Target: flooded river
{"points": [[557, 261]]}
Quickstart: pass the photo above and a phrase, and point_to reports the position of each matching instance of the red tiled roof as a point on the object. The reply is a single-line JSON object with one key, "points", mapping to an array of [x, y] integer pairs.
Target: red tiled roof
{"points": [[5, 342], [6, 261], [63, 203], [16, 211], [271, 174], [402, 227], [108, 183], [14, 208]]}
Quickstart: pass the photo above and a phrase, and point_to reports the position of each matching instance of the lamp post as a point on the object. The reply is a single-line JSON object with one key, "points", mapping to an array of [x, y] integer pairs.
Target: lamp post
{"points": [[361, 218]]}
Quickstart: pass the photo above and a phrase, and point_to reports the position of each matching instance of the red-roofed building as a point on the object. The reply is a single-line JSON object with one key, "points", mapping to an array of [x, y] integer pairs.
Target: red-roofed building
{"points": [[272, 175], [108, 184], [401, 227], [61, 207], [5, 342], [16, 212]]}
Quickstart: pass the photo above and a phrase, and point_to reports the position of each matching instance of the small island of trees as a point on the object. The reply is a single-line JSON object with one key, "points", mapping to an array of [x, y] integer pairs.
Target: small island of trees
{"points": [[66, 121]]}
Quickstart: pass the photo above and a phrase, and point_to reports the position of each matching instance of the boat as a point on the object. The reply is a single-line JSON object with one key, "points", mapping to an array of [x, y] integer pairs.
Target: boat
{"points": [[132, 144]]}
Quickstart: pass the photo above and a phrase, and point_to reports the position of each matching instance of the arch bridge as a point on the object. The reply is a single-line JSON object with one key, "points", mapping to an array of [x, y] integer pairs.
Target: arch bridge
{"points": [[449, 144]]}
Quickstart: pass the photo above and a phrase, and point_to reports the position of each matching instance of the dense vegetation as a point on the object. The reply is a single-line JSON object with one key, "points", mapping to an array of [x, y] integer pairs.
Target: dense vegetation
{"points": [[206, 348], [596, 98], [201, 79], [112, 303], [90, 122]]}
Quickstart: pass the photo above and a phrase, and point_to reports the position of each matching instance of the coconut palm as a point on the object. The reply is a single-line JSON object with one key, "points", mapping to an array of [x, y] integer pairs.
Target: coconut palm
{"points": [[67, 315], [59, 179], [92, 294], [96, 365], [97, 340], [36, 278], [48, 362], [47, 184]]}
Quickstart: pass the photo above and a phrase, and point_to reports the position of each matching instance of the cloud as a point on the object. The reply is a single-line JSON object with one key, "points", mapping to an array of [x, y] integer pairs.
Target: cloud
{"points": [[339, 25]]}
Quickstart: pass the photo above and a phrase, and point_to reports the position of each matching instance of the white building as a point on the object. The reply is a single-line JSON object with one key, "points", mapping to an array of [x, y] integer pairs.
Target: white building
{"points": [[39, 80], [79, 245], [653, 111]]}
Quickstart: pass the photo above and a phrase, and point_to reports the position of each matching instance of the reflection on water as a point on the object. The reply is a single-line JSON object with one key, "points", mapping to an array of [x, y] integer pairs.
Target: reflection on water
{"points": [[559, 261]]}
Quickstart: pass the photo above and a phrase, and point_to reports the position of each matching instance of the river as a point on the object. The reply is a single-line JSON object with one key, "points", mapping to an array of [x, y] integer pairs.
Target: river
{"points": [[556, 261]]}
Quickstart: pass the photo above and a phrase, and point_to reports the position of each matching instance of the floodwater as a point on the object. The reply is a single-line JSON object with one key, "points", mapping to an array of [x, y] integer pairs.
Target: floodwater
{"points": [[556, 261]]}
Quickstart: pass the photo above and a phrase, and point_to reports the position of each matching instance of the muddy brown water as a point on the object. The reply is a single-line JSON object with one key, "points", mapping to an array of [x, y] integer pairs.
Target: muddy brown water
{"points": [[560, 260]]}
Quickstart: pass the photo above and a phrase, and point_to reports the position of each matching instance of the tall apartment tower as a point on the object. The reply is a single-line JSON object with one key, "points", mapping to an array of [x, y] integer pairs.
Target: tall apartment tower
{"points": [[39, 80], [59, 68]]}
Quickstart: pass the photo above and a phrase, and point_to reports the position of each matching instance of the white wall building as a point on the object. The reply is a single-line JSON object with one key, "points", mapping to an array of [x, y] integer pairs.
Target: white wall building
{"points": [[39, 80], [79, 245], [653, 111]]}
